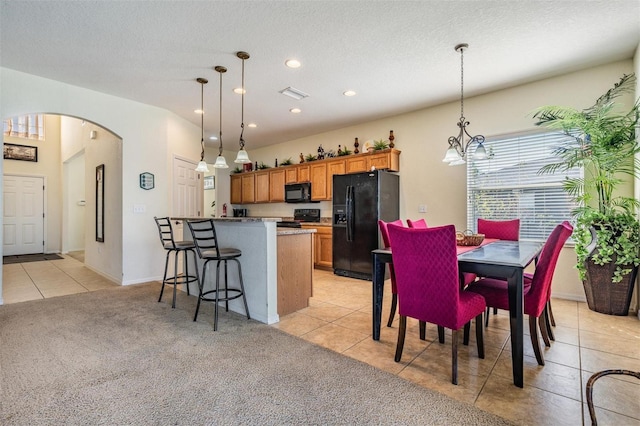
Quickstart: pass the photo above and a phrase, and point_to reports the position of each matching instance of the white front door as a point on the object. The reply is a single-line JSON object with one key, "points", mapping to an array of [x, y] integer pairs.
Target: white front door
{"points": [[187, 193], [23, 224]]}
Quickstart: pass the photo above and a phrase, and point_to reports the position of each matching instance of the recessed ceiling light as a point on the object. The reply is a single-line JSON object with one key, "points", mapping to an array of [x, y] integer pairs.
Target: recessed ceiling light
{"points": [[252, 125], [294, 93], [295, 110], [213, 138], [292, 63], [198, 111], [349, 93], [239, 90]]}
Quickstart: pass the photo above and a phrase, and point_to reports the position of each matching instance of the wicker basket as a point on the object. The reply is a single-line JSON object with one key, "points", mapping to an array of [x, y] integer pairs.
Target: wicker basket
{"points": [[468, 238]]}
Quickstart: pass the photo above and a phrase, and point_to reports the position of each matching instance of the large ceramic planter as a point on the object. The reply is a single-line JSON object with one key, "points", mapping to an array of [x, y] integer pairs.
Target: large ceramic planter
{"points": [[603, 295]]}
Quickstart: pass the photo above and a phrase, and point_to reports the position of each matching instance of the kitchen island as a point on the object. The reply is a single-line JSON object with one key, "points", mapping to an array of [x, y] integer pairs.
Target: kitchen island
{"points": [[261, 241]]}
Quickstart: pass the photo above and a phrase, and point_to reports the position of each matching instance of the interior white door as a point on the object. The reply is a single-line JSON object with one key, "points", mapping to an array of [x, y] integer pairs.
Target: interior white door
{"points": [[187, 192], [23, 224]]}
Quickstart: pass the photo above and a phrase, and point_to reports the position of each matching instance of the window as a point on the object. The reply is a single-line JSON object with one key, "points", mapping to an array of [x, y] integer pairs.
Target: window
{"points": [[507, 185], [25, 126]]}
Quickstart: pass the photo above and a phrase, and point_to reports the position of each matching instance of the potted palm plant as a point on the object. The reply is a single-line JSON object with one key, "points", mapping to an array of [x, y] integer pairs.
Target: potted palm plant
{"points": [[602, 140]]}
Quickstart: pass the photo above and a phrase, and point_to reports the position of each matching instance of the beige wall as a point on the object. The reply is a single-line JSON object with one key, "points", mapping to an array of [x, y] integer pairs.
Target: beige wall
{"points": [[422, 138], [48, 166]]}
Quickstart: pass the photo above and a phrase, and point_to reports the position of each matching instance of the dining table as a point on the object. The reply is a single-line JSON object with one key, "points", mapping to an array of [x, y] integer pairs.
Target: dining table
{"points": [[493, 258]]}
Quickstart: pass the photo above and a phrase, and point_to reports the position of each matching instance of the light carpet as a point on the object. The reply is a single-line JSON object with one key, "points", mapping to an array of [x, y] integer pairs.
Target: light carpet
{"points": [[118, 357]]}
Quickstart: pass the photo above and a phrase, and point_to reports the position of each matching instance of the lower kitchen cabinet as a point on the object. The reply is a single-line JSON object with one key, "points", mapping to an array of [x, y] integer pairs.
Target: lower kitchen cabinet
{"points": [[323, 246]]}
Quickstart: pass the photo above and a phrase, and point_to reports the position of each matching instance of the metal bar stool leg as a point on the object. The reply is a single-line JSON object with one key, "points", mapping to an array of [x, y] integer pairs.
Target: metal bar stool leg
{"points": [[215, 306], [175, 276], [201, 288], [164, 277]]}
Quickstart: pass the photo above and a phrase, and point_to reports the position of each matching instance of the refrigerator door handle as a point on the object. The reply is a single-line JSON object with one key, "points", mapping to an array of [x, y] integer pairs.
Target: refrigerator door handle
{"points": [[349, 213]]}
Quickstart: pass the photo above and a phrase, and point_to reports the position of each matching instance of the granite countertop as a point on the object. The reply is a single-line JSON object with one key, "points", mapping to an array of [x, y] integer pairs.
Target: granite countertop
{"points": [[232, 219], [295, 231]]}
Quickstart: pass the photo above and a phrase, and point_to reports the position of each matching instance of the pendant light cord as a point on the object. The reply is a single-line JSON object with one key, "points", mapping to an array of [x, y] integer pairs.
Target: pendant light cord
{"points": [[242, 109], [202, 119], [220, 134]]}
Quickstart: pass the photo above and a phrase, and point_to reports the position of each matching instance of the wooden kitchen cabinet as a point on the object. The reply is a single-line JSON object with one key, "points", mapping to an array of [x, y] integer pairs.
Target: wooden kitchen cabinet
{"points": [[323, 246], [276, 186], [356, 164], [236, 189], [248, 188], [318, 172], [262, 187], [303, 173], [291, 175], [388, 159]]}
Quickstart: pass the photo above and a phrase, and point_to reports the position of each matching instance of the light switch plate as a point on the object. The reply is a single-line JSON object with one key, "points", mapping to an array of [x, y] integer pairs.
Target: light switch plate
{"points": [[422, 208]]}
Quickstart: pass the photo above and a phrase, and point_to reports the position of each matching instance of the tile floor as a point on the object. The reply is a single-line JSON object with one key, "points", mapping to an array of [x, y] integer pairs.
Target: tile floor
{"points": [[339, 318]]}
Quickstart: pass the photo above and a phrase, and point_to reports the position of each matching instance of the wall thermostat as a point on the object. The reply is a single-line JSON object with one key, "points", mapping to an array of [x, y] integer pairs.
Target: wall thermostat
{"points": [[146, 180]]}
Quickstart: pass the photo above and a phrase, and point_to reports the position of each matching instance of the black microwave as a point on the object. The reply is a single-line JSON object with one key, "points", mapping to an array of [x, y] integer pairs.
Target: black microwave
{"points": [[297, 192]]}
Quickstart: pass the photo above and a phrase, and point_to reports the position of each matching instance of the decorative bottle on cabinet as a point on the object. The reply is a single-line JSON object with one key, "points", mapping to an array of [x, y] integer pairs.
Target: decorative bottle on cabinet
{"points": [[391, 138], [356, 145]]}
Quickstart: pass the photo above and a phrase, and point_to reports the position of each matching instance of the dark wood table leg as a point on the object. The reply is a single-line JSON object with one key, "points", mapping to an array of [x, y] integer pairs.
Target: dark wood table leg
{"points": [[516, 321], [378, 288]]}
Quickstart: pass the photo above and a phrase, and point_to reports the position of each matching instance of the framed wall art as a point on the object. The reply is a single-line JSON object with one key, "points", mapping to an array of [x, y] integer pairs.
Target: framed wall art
{"points": [[210, 182], [20, 152]]}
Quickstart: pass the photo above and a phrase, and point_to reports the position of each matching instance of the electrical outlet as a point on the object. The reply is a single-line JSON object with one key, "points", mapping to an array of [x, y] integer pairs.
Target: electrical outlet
{"points": [[422, 208], [139, 208]]}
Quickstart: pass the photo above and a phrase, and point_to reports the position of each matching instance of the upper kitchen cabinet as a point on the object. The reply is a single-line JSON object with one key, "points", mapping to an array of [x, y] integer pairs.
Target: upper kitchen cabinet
{"points": [[262, 190], [318, 172], [291, 175], [303, 173], [236, 189], [356, 164], [248, 188], [276, 185]]}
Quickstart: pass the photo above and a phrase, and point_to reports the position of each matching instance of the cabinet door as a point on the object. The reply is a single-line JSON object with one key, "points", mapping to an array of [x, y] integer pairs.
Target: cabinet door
{"points": [[336, 167], [276, 185], [291, 175], [236, 189], [303, 174], [262, 187], [248, 188], [357, 164], [379, 161], [318, 181], [324, 247]]}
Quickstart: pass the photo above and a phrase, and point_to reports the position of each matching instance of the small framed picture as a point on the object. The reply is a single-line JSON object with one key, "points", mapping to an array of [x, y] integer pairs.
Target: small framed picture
{"points": [[20, 152], [210, 182]]}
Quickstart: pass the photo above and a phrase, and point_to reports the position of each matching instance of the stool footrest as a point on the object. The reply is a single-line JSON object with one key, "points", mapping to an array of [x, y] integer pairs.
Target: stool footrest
{"points": [[237, 293], [181, 279]]}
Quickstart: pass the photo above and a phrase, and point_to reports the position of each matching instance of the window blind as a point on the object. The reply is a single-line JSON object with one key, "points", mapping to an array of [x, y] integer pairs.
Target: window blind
{"points": [[507, 184]]}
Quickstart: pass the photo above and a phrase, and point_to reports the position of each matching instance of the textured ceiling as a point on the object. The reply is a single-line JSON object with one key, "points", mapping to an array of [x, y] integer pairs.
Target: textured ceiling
{"points": [[397, 55]]}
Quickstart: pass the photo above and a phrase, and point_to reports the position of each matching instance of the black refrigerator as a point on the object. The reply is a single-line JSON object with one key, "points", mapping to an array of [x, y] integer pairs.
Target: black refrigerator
{"points": [[359, 200]]}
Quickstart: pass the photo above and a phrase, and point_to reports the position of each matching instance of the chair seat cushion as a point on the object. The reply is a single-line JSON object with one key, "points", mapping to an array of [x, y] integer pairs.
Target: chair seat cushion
{"points": [[471, 305], [225, 253], [495, 291], [180, 245]]}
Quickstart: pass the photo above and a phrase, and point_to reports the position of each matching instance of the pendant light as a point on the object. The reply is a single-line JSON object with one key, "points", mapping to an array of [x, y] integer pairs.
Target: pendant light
{"points": [[202, 165], [221, 162], [242, 157], [458, 149]]}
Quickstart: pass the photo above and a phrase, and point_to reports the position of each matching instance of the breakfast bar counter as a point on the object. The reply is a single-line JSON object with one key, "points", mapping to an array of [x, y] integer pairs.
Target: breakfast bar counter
{"points": [[258, 240]]}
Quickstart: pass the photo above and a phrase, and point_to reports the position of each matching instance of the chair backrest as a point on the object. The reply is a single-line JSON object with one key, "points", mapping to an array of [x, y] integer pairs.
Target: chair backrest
{"points": [[384, 230], [204, 236], [540, 292], [166, 232], [501, 229], [420, 223], [426, 267]]}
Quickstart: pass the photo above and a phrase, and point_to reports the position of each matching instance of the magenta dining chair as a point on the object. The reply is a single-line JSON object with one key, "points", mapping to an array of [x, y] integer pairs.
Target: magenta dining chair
{"points": [[420, 223], [387, 243], [426, 268], [536, 295], [508, 230]]}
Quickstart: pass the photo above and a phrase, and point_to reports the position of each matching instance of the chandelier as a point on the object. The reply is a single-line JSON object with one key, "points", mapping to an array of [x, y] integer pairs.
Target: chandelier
{"points": [[458, 148], [221, 162], [242, 157], [202, 165]]}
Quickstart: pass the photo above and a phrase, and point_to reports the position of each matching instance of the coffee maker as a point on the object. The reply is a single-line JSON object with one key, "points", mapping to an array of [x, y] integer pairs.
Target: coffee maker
{"points": [[239, 212]]}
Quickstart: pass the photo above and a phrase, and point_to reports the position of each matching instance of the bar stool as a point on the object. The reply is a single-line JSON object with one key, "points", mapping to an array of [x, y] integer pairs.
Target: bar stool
{"points": [[205, 240], [176, 247]]}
